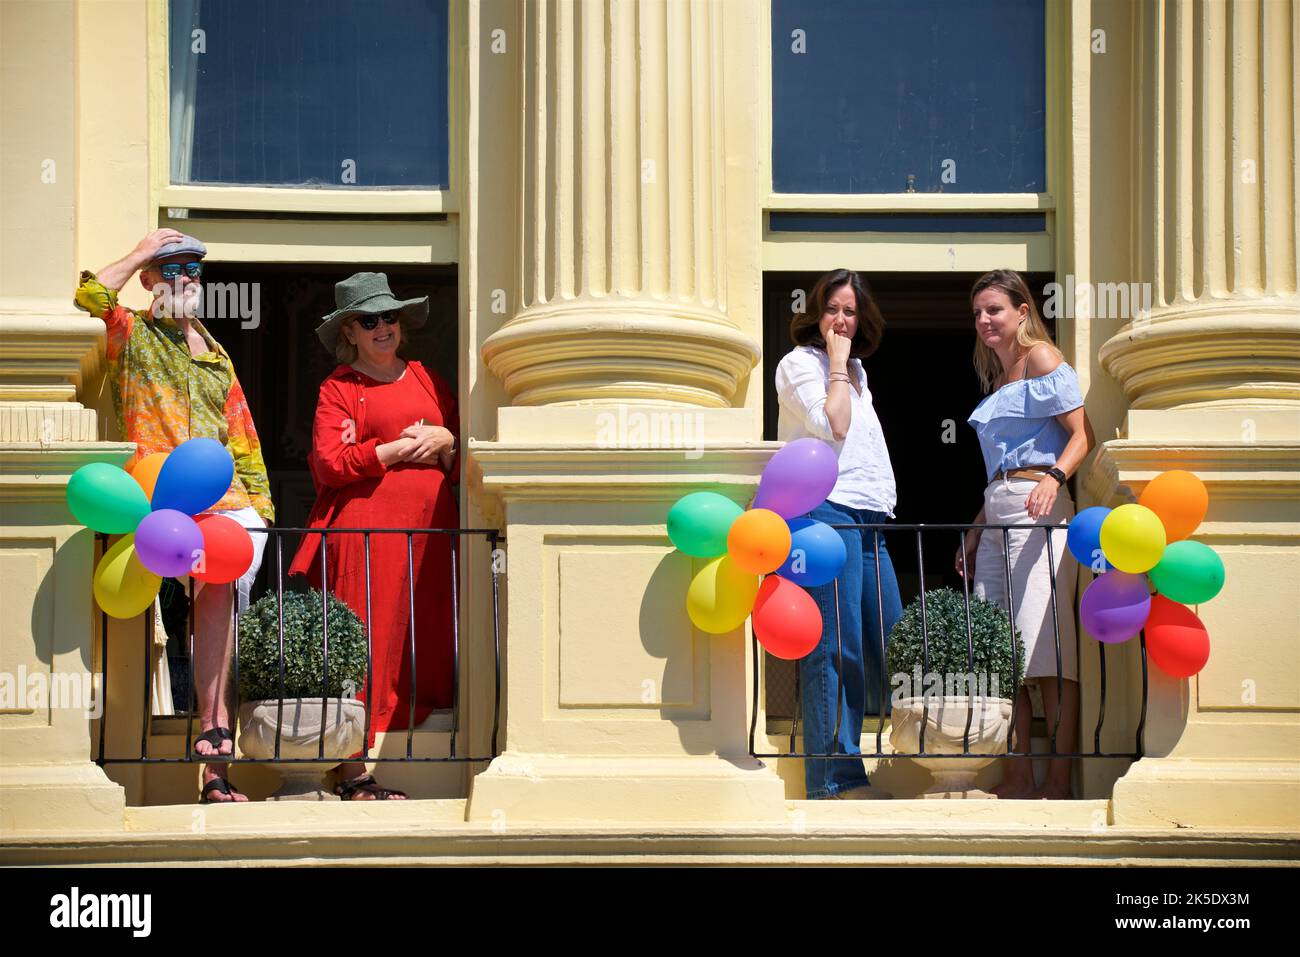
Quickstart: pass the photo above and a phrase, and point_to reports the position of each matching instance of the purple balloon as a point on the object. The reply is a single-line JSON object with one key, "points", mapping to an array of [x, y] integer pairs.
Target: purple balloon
{"points": [[798, 478], [1115, 606], [166, 542]]}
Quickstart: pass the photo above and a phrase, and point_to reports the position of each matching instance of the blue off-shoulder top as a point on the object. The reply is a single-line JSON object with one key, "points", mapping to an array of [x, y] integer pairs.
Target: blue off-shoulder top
{"points": [[1017, 424]]}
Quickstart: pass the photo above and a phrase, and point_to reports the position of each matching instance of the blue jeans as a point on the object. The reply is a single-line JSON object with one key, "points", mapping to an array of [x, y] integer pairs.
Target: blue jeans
{"points": [[859, 682]]}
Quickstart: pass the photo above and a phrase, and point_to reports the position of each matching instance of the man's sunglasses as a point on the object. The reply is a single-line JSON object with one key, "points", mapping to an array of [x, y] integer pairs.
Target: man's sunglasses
{"points": [[370, 323], [172, 271]]}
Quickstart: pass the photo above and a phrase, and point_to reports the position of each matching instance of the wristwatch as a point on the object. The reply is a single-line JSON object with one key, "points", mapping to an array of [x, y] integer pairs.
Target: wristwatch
{"points": [[1058, 475]]}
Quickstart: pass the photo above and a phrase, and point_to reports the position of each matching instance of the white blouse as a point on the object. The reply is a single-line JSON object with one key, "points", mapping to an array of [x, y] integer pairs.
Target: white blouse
{"points": [[866, 479]]}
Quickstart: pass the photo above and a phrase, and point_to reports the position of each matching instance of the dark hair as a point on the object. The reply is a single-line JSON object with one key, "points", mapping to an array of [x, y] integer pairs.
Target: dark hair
{"points": [[804, 327]]}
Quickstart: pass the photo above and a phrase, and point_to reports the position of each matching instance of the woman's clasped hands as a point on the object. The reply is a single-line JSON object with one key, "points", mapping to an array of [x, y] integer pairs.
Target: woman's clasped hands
{"points": [[423, 444]]}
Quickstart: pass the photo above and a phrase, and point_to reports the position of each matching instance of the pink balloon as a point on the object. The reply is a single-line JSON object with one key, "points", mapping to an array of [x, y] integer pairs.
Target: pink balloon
{"points": [[1115, 606], [798, 478]]}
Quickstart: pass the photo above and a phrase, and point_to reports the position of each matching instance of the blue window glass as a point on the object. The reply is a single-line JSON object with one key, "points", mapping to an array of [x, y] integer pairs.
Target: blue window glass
{"points": [[326, 93], [867, 93]]}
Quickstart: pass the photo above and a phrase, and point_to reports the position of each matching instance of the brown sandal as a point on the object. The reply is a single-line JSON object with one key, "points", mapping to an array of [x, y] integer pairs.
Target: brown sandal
{"points": [[348, 789]]}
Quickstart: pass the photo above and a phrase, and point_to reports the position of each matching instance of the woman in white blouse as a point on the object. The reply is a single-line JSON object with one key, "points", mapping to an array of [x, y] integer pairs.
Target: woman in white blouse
{"points": [[822, 390]]}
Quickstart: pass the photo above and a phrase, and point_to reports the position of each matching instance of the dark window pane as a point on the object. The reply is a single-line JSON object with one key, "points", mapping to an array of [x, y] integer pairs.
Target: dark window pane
{"points": [[890, 88], [309, 92], [907, 222]]}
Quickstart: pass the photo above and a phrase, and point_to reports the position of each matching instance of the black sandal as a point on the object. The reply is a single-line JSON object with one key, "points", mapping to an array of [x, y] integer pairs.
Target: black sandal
{"points": [[214, 737], [348, 789], [222, 785]]}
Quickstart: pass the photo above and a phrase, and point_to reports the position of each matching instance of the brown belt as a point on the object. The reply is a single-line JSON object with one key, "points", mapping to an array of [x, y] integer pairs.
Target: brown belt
{"points": [[1029, 471]]}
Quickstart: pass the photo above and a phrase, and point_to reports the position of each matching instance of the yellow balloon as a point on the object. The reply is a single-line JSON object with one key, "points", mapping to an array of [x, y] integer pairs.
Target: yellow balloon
{"points": [[1133, 538], [721, 597], [123, 587]]}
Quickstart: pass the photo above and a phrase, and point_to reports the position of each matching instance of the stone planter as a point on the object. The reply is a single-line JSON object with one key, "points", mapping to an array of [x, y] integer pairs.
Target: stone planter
{"points": [[945, 723], [345, 727]]}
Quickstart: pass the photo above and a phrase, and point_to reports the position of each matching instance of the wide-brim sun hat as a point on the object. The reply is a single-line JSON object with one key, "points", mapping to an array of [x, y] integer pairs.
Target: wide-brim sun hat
{"points": [[367, 293]]}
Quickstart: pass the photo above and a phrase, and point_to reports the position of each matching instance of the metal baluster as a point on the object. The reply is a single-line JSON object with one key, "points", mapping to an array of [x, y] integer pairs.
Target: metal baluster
{"points": [[234, 630], [1140, 742], [279, 602], [753, 714], [410, 597], [454, 540], [1101, 710], [103, 681], [370, 635], [1056, 634], [925, 637], [970, 646], [194, 683], [325, 651], [148, 683], [839, 675], [880, 620], [1015, 650], [798, 709], [496, 647]]}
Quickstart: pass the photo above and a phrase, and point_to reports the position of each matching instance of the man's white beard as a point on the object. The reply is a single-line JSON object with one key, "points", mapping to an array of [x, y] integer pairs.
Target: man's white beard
{"points": [[190, 303]]}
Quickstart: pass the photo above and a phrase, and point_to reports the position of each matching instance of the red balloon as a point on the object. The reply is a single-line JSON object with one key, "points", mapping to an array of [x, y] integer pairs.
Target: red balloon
{"points": [[787, 622], [1176, 640], [227, 549]]}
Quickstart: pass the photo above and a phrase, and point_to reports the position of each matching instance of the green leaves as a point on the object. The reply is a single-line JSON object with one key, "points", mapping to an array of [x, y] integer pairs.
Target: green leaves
{"points": [[304, 648], [945, 620]]}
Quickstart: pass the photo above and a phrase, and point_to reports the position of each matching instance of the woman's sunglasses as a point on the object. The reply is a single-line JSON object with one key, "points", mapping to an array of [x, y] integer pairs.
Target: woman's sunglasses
{"points": [[370, 323], [172, 271]]}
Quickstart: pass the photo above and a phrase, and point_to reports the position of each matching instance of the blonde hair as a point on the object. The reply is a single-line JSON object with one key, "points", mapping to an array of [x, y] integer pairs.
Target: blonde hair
{"points": [[1029, 333]]}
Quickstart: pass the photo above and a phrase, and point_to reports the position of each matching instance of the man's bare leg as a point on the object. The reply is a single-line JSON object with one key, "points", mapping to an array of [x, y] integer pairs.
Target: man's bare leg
{"points": [[1057, 784], [213, 646]]}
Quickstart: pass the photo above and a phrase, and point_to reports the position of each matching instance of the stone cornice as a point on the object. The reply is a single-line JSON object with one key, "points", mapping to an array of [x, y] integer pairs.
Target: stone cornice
{"points": [[1209, 355], [47, 350], [629, 351], [33, 472]]}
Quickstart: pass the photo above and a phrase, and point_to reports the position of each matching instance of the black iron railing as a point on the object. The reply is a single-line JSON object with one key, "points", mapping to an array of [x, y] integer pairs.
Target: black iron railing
{"points": [[919, 530], [276, 536]]}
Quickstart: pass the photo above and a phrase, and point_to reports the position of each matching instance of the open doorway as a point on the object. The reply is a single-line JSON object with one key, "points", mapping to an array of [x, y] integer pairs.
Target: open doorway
{"points": [[923, 387], [281, 364]]}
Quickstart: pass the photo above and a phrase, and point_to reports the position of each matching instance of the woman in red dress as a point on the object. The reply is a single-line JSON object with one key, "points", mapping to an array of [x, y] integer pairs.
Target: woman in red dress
{"points": [[384, 456]]}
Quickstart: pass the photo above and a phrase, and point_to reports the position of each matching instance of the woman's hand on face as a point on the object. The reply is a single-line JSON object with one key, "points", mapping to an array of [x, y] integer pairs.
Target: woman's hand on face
{"points": [[837, 349], [428, 442], [1042, 498]]}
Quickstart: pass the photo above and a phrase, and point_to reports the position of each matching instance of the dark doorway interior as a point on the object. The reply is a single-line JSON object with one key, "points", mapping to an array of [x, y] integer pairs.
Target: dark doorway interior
{"points": [[923, 386], [281, 364]]}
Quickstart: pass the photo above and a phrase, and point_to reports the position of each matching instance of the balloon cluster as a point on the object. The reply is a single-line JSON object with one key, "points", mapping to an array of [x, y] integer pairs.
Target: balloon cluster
{"points": [[769, 540], [153, 507], [1126, 545]]}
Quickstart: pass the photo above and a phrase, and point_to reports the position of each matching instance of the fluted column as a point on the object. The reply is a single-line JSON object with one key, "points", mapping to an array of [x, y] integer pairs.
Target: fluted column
{"points": [[1217, 227], [1211, 372], [621, 285]]}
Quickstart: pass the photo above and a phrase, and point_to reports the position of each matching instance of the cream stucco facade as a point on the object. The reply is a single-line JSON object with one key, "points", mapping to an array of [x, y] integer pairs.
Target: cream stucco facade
{"points": [[607, 218]]}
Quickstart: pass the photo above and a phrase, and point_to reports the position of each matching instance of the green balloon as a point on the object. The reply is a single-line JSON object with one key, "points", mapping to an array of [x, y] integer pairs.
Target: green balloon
{"points": [[699, 522], [106, 498], [1188, 572]]}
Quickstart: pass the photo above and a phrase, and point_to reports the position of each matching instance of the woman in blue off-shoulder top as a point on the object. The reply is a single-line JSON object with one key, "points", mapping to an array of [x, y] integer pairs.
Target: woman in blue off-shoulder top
{"points": [[1034, 433]]}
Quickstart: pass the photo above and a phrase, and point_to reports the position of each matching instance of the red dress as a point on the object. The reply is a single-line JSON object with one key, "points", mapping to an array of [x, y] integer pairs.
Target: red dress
{"points": [[354, 415]]}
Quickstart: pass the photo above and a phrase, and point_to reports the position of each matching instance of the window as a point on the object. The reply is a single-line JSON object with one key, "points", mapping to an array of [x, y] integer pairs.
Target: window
{"points": [[316, 93], [898, 96]]}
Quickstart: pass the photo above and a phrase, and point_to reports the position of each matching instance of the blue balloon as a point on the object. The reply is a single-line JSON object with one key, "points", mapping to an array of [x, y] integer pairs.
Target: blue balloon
{"points": [[195, 477], [817, 553], [1084, 538]]}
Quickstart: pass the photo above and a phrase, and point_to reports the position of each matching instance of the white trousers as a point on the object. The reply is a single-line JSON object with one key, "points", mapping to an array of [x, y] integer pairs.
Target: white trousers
{"points": [[1031, 583]]}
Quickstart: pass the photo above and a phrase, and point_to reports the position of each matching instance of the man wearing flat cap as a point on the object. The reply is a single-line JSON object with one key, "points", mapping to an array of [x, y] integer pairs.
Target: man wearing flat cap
{"points": [[172, 382]]}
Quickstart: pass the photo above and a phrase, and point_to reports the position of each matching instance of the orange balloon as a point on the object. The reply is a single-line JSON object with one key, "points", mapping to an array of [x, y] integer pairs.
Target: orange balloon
{"points": [[1180, 500], [759, 541], [145, 471]]}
